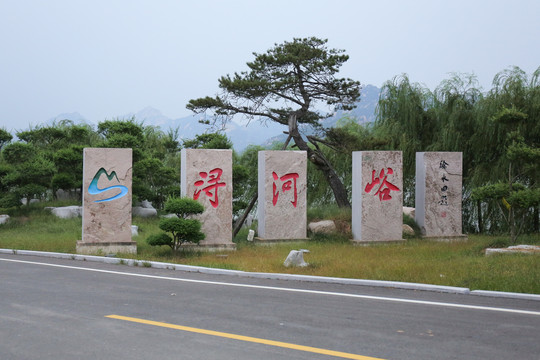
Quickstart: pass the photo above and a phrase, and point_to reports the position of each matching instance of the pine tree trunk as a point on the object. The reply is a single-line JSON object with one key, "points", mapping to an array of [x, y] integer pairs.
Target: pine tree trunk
{"points": [[243, 218], [318, 159]]}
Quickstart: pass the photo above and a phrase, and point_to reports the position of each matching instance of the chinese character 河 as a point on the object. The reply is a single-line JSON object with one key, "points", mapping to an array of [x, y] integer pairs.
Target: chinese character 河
{"points": [[289, 183]]}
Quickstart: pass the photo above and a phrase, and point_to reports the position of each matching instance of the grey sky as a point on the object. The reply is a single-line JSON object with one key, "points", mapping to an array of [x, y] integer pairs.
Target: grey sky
{"points": [[107, 58]]}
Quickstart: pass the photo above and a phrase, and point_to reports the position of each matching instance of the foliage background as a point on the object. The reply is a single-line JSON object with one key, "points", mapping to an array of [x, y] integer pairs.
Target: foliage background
{"points": [[495, 129]]}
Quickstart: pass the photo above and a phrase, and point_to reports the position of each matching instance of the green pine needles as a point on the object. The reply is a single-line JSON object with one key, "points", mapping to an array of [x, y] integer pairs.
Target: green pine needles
{"points": [[182, 229]]}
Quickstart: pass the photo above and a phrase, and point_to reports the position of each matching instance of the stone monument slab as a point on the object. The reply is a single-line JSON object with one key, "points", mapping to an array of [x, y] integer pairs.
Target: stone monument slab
{"points": [[206, 176], [377, 196], [106, 213], [282, 205], [438, 194]]}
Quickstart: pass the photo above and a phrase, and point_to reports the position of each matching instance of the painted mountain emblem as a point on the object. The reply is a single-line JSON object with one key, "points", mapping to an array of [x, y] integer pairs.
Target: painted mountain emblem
{"points": [[94, 190]]}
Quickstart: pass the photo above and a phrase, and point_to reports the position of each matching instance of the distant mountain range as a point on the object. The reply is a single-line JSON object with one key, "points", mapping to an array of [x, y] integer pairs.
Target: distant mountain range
{"points": [[241, 135]]}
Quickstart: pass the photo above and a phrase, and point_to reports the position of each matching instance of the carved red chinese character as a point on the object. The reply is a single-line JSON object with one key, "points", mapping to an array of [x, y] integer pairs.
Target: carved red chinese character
{"points": [[211, 190], [384, 193], [289, 183]]}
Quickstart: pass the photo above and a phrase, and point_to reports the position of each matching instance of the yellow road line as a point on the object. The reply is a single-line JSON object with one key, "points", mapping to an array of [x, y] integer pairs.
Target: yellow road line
{"points": [[246, 338]]}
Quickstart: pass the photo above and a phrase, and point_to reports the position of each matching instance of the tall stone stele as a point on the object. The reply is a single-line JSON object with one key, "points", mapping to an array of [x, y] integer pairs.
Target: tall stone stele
{"points": [[206, 176], [377, 196], [282, 203], [106, 213], [438, 194]]}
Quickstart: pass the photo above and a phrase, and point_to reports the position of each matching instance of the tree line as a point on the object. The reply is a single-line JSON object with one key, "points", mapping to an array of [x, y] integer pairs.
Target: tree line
{"points": [[45, 159], [498, 132]]}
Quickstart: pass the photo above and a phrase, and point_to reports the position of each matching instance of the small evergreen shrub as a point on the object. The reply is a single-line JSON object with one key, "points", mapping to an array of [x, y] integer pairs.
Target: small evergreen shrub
{"points": [[181, 229]]}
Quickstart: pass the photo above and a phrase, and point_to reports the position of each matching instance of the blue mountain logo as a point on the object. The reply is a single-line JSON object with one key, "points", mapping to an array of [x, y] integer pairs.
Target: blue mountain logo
{"points": [[94, 190]]}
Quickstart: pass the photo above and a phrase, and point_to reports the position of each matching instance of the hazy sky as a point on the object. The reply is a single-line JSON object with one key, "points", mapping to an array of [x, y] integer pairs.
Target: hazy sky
{"points": [[107, 58]]}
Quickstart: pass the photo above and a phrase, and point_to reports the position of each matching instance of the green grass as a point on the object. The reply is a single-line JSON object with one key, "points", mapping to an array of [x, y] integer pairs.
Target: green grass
{"points": [[461, 264], [41, 232]]}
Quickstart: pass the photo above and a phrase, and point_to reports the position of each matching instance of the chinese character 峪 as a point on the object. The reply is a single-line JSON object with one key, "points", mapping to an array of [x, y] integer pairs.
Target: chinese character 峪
{"points": [[443, 164], [289, 183], [213, 184], [384, 194]]}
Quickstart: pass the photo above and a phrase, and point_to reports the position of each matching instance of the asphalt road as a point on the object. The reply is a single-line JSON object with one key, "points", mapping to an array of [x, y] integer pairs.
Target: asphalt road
{"points": [[65, 309]]}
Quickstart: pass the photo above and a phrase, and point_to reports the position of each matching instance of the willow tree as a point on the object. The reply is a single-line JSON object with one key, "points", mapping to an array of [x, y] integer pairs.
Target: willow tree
{"points": [[286, 85], [454, 105], [508, 152], [406, 121]]}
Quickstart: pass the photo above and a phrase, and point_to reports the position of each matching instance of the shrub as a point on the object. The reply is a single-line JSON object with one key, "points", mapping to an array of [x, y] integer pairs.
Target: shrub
{"points": [[181, 228]]}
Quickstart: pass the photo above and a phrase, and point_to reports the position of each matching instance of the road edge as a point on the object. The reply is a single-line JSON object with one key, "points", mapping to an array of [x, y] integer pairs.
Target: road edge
{"points": [[272, 276]]}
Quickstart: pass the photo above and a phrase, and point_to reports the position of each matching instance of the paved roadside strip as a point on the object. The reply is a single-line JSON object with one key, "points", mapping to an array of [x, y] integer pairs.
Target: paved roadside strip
{"points": [[273, 276]]}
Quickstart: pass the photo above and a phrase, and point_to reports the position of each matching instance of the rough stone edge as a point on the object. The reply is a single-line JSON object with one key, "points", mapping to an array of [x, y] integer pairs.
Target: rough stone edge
{"points": [[504, 251], [272, 276], [95, 248], [450, 238], [266, 241], [209, 247], [374, 242]]}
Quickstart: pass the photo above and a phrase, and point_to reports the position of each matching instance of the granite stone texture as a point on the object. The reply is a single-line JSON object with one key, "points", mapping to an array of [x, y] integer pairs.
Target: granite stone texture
{"points": [[517, 249], [438, 193], [67, 212], [377, 196], [106, 213], [206, 176], [282, 205], [322, 227]]}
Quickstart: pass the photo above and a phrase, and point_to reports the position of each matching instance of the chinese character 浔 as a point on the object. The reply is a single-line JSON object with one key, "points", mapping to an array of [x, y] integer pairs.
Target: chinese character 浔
{"points": [[443, 164], [289, 183], [213, 184], [384, 194]]}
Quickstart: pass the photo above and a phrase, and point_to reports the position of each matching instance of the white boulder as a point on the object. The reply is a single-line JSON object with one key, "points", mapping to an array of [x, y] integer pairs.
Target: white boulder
{"points": [[409, 211], [144, 209], [67, 212], [146, 204], [4, 219], [407, 230], [144, 212], [296, 258], [324, 226], [518, 249]]}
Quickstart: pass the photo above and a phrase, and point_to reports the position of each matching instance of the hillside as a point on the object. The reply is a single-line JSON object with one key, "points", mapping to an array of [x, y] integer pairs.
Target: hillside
{"points": [[242, 135]]}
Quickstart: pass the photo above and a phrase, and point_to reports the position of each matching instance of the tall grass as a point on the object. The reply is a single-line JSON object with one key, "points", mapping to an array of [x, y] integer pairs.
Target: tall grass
{"points": [[461, 264], [41, 231]]}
